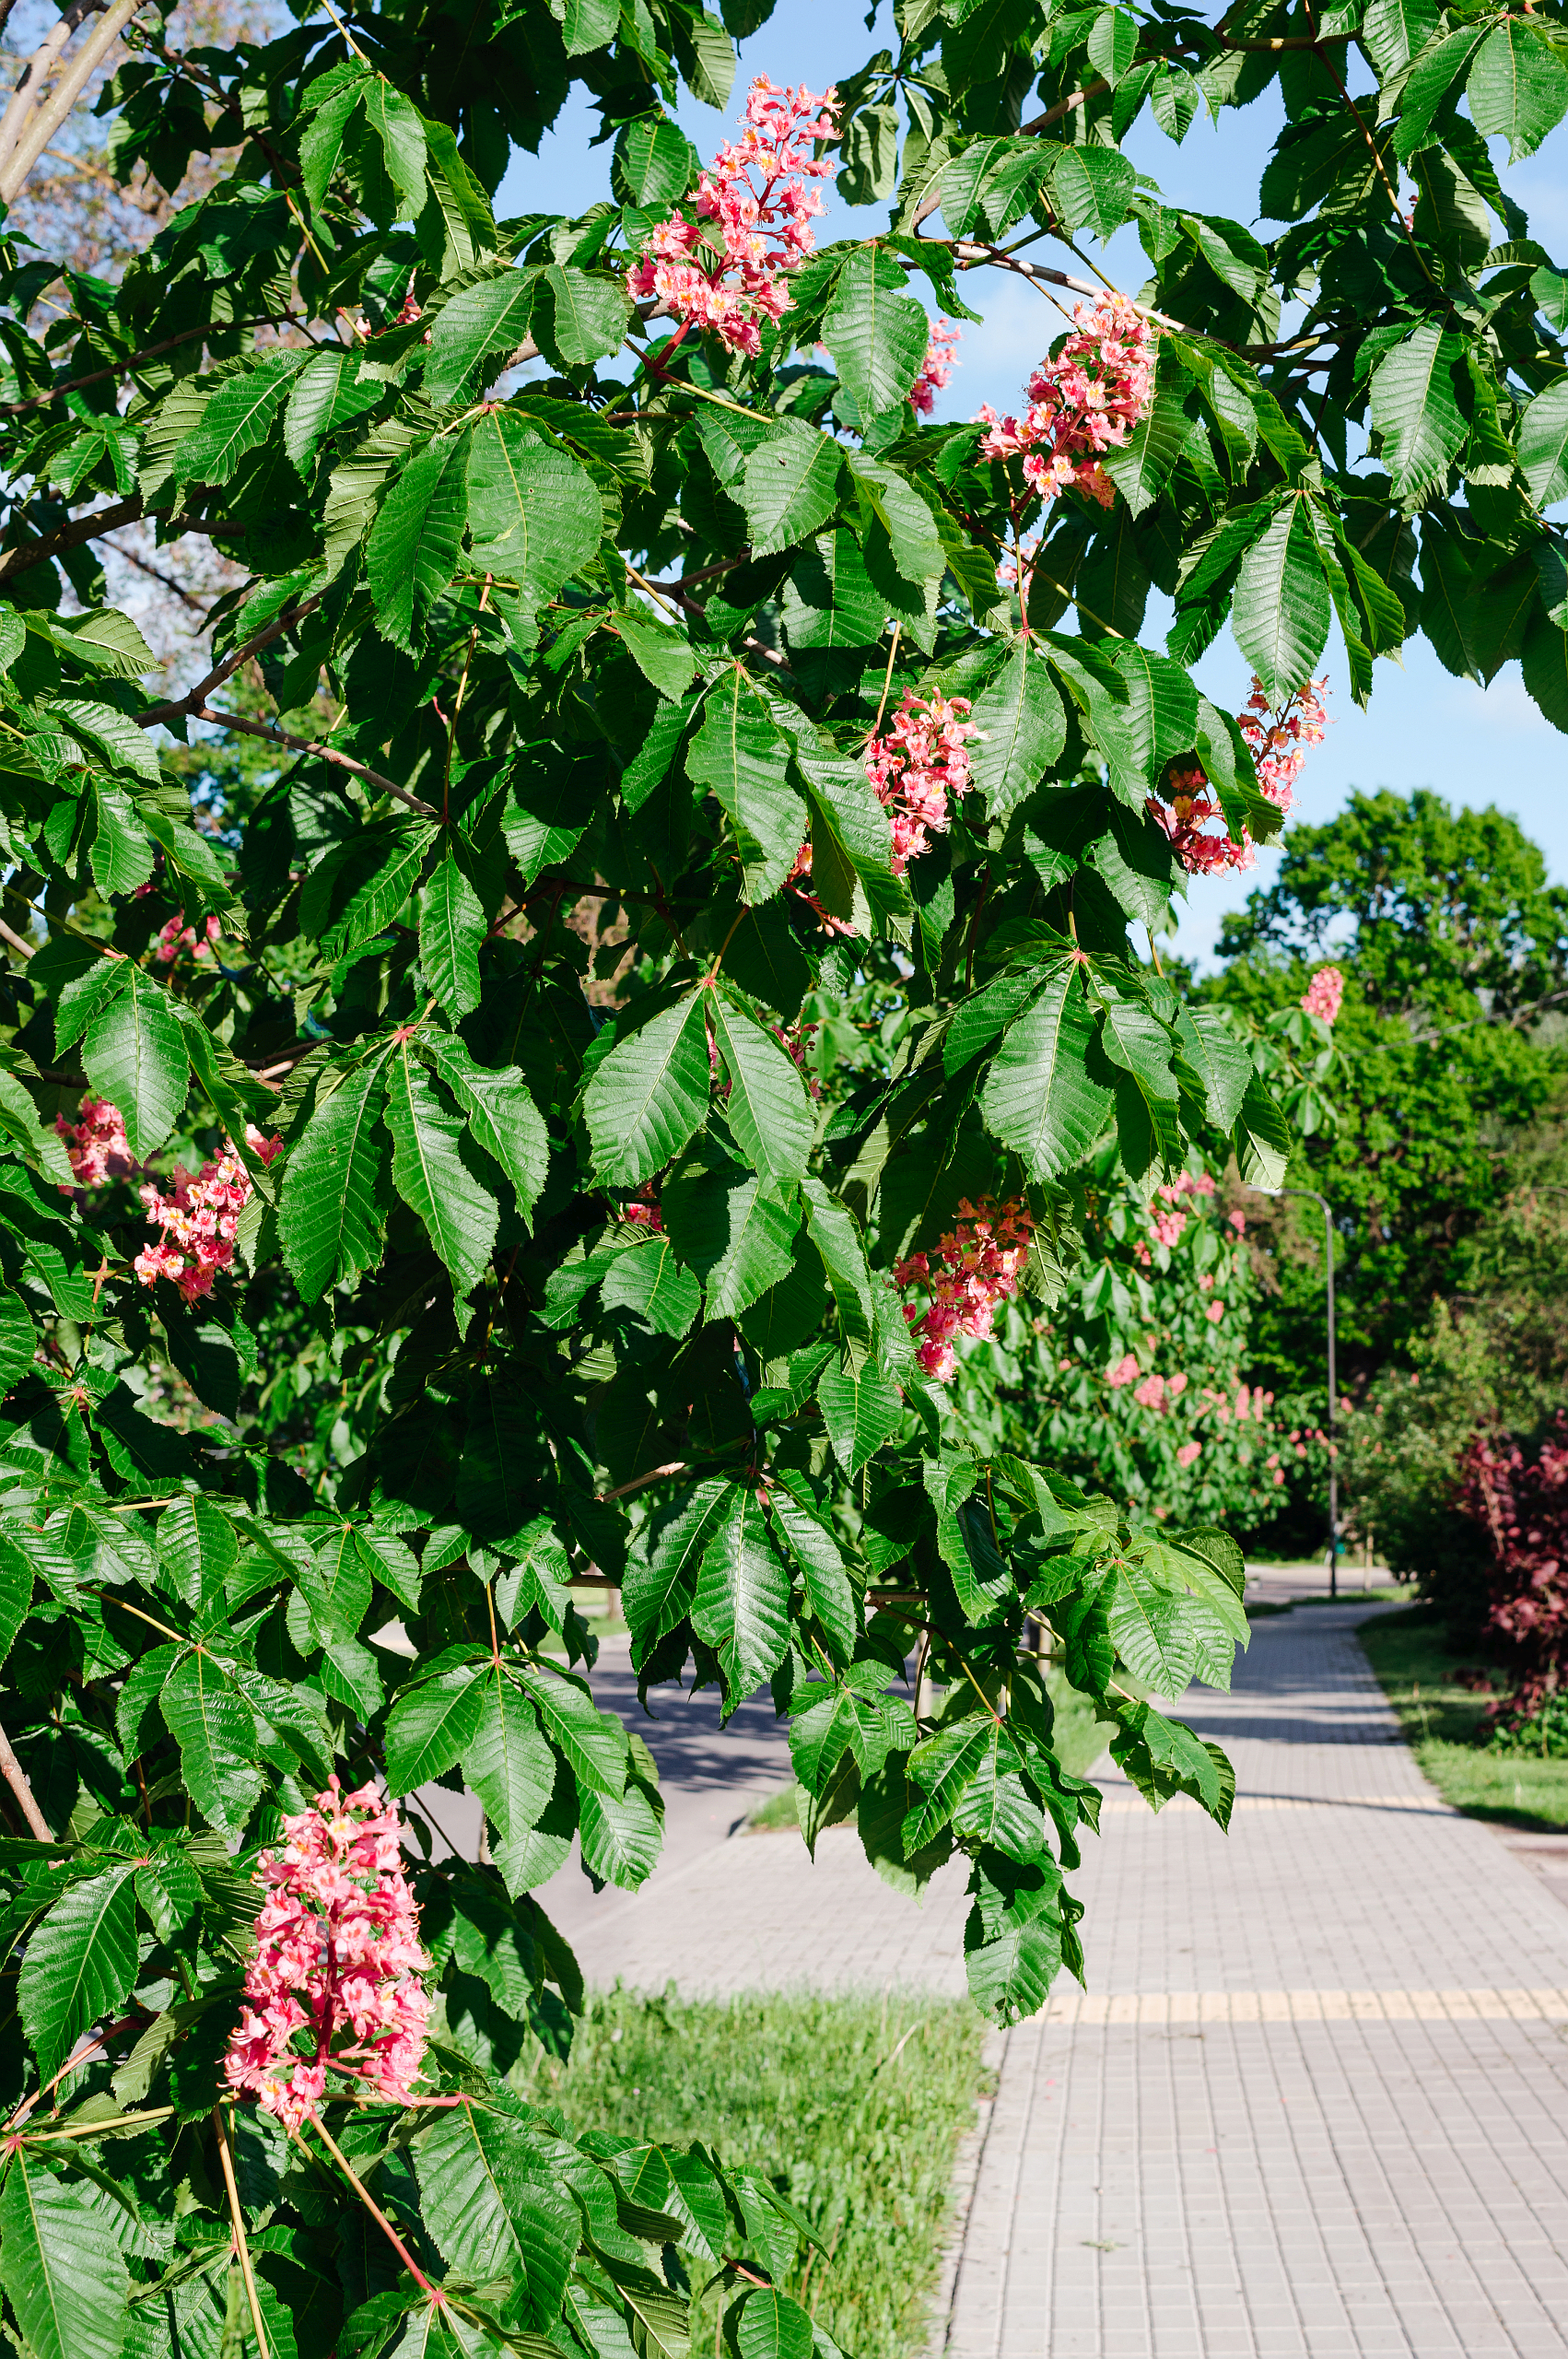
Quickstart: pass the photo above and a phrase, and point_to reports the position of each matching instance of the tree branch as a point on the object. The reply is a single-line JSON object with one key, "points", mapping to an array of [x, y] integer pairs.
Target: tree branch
{"points": [[313, 745], [16, 1777], [89, 528], [38, 130], [124, 367], [189, 707]]}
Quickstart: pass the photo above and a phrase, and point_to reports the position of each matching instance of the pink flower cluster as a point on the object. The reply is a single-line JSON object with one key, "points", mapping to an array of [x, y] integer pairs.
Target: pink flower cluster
{"points": [[979, 1264], [1087, 399], [919, 768], [937, 367], [174, 937], [1278, 742], [1324, 993], [96, 1144], [1169, 1226], [334, 1985], [199, 1219], [725, 270], [643, 1209]]}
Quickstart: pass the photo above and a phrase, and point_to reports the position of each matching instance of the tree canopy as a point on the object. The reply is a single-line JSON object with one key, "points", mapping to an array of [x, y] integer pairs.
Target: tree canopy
{"points": [[689, 973]]}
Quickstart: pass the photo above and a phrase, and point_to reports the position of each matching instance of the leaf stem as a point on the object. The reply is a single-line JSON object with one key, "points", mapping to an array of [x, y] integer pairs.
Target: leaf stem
{"points": [[227, 2159], [110, 2128], [374, 2209], [886, 681], [16, 1777]]}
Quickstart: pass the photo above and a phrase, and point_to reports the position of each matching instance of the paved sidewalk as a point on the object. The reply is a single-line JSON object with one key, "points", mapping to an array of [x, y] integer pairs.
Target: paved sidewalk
{"points": [[1317, 2101]]}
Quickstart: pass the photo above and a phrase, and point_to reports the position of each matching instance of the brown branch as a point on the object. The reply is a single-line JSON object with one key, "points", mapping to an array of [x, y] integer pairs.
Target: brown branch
{"points": [[90, 528], [34, 128], [640, 1483], [151, 352], [190, 707], [313, 745], [16, 1777]]}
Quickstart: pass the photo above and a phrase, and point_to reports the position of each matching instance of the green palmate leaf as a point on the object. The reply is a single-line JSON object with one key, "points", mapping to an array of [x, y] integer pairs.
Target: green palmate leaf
{"points": [[742, 756], [1282, 608], [135, 1056], [877, 332], [478, 323], [661, 1583], [19, 1342], [397, 126], [431, 1175], [1143, 465], [451, 927], [823, 1569], [215, 1730], [1040, 1098], [773, 2327], [768, 1107], [790, 485], [321, 148], [580, 316], [1091, 188], [240, 416], [414, 544], [654, 163], [1024, 730], [664, 656], [593, 1743], [649, 1093], [1415, 408], [1546, 669], [851, 843], [501, 1115], [332, 1205], [1013, 1938], [80, 1963], [742, 1606], [327, 394], [1160, 717], [649, 1281], [1543, 443], [622, 1838], [431, 1726], [860, 1408], [492, 2211], [62, 2265], [507, 1762], [1517, 87], [536, 515]]}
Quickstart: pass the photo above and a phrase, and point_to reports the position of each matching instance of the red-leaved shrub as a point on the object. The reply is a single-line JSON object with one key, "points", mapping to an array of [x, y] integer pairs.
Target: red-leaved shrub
{"points": [[1523, 1504]]}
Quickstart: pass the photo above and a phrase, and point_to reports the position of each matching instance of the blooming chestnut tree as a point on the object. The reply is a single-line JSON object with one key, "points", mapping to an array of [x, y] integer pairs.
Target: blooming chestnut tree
{"points": [[681, 1003]]}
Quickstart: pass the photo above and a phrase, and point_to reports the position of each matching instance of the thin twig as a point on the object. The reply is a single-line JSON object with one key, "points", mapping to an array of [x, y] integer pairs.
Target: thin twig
{"points": [[374, 2209], [16, 1777], [326, 752], [640, 1482], [240, 2245], [188, 707]]}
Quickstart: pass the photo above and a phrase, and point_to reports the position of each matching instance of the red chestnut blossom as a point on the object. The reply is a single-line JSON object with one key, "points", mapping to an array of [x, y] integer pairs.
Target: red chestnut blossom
{"points": [[1168, 1227], [1150, 1393], [1324, 993], [1238, 1222], [643, 1211], [1214, 1313], [174, 937], [978, 1265], [724, 269], [96, 1144], [919, 767], [1124, 1372], [937, 367], [199, 1219], [1278, 741], [1086, 400], [1188, 1451], [334, 1986]]}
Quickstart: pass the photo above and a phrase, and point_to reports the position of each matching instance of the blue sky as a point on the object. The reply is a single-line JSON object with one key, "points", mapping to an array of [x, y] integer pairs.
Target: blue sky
{"points": [[1423, 728]]}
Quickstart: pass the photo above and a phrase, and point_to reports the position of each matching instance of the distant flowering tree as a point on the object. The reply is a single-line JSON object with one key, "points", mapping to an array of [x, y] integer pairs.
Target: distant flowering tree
{"points": [[1138, 1377]]}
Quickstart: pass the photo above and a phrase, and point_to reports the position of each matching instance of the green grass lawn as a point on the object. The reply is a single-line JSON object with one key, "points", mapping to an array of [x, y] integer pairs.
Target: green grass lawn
{"points": [[852, 2106], [1081, 1739], [1415, 1660]]}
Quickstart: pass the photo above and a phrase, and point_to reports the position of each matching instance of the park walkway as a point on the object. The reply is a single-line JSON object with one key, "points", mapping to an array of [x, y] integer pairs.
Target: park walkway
{"points": [[1315, 2099]]}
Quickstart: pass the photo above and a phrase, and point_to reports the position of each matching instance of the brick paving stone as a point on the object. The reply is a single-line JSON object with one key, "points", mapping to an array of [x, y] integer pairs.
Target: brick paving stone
{"points": [[1357, 2141]]}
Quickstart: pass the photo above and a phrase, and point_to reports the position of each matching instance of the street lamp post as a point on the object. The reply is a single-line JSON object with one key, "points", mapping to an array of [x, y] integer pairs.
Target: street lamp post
{"points": [[1333, 1459]]}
